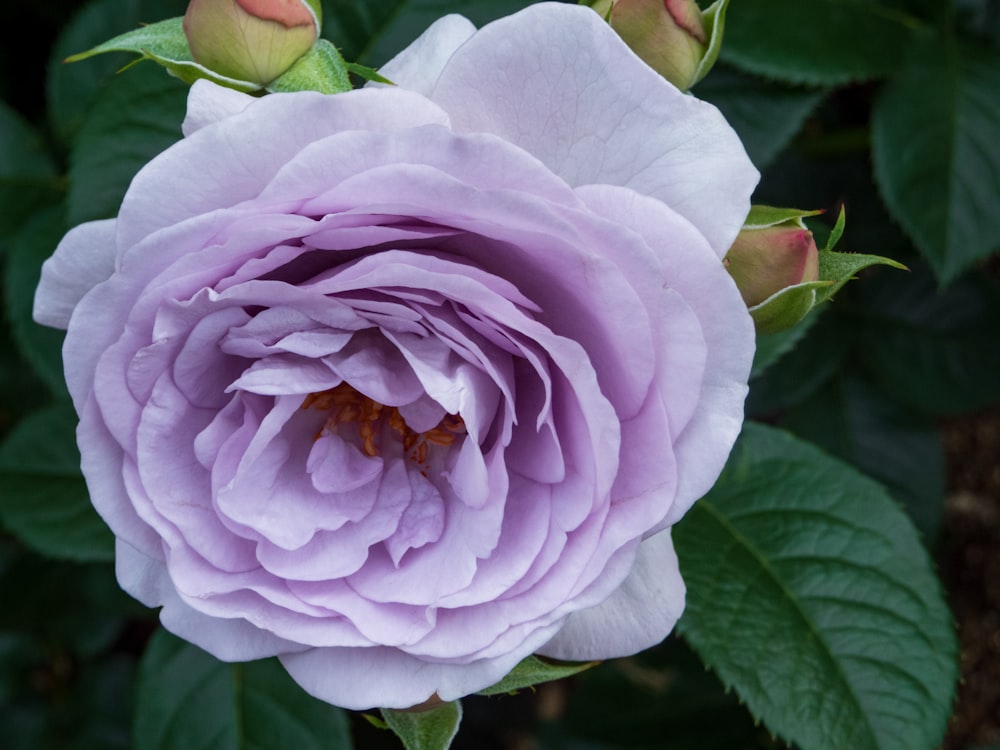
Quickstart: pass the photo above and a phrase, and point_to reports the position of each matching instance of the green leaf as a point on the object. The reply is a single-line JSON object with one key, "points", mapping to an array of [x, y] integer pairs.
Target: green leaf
{"points": [[138, 115], [44, 498], [821, 42], [766, 115], [937, 155], [27, 174], [188, 700], [433, 729], [902, 449], [372, 33], [533, 671], [321, 69], [811, 595], [935, 351], [41, 346], [784, 309]]}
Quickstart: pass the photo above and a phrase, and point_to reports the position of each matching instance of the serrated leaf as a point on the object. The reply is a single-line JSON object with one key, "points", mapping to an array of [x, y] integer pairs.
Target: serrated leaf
{"points": [[839, 268], [321, 69], [902, 449], [937, 156], [534, 671], [765, 114], [822, 42], [188, 700], [432, 729], [43, 498], [41, 346], [935, 351], [810, 593], [138, 115]]}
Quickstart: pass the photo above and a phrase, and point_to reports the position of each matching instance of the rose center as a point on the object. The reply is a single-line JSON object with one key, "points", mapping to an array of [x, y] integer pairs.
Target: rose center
{"points": [[376, 424]]}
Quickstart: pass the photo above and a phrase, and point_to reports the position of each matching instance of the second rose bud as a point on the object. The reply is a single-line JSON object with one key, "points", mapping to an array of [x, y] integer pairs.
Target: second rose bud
{"points": [[250, 40]]}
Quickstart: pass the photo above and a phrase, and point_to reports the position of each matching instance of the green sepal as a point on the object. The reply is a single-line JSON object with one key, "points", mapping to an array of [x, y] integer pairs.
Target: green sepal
{"points": [[784, 309], [836, 269], [433, 729], [533, 671], [369, 74], [320, 69], [838, 230], [316, 6], [762, 217], [164, 42], [715, 24]]}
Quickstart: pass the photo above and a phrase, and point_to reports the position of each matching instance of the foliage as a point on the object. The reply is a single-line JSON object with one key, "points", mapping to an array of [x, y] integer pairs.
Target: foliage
{"points": [[889, 106]]}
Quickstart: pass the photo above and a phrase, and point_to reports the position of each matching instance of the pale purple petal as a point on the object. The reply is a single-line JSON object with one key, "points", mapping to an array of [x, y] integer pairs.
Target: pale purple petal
{"points": [[418, 66], [84, 258]]}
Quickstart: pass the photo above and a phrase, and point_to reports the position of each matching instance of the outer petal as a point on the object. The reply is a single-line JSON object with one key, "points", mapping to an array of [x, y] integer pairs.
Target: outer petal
{"points": [[362, 678], [208, 102], [418, 66], [639, 614], [226, 639], [608, 117], [85, 257]]}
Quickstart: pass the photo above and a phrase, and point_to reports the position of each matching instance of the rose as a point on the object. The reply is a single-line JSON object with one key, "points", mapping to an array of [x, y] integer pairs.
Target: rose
{"points": [[405, 384]]}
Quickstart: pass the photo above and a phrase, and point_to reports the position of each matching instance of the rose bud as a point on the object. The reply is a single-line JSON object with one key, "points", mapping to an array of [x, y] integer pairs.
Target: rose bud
{"points": [[250, 40], [669, 35], [765, 260]]}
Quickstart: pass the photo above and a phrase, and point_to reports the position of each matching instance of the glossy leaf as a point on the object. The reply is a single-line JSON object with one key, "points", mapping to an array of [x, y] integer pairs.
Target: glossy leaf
{"points": [[188, 700], [810, 594], [27, 174], [937, 154]]}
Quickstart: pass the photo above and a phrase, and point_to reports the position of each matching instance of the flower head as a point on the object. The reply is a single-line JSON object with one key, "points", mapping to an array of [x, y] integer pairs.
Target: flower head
{"points": [[405, 384]]}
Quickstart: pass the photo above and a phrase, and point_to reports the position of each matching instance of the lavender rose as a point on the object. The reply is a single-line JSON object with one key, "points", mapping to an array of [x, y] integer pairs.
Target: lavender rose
{"points": [[405, 384]]}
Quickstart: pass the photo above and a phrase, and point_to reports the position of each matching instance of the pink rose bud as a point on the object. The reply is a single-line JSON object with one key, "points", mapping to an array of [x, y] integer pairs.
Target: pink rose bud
{"points": [[669, 35], [250, 40], [765, 260]]}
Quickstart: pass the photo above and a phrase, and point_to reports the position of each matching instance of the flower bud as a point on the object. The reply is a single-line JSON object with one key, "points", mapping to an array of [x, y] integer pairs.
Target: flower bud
{"points": [[763, 261], [669, 35], [250, 40]]}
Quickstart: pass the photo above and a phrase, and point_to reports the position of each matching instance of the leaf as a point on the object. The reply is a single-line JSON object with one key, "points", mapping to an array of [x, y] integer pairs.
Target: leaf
{"points": [[937, 156], [766, 115], [810, 594], [935, 351], [188, 700], [27, 174], [433, 729], [43, 498], [41, 346], [821, 42], [533, 671], [372, 33], [902, 449], [134, 118]]}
